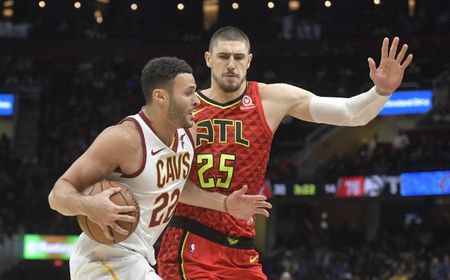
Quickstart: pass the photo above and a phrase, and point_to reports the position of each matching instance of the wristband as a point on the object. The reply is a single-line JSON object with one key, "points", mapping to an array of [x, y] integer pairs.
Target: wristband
{"points": [[225, 205]]}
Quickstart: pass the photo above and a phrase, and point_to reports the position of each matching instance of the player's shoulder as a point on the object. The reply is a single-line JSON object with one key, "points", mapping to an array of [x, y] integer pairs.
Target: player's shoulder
{"points": [[263, 87], [125, 135], [270, 90], [280, 90]]}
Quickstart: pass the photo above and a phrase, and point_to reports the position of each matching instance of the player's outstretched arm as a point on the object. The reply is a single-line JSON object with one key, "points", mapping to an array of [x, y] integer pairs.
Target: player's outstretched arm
{"points": [[237, 204], [102, 157], [354, 111], [361, 109]]}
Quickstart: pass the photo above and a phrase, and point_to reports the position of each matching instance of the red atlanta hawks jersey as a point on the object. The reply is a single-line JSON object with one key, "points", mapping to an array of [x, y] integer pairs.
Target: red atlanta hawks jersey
{"points": [[231, 150]]}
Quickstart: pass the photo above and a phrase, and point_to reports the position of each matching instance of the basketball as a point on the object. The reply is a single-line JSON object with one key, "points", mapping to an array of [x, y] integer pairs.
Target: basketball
{"points": [[122, 198]]}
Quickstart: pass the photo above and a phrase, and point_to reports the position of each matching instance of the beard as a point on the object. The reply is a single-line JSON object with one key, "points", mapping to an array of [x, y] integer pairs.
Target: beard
{"points": [[178, 115], [228, 87]]}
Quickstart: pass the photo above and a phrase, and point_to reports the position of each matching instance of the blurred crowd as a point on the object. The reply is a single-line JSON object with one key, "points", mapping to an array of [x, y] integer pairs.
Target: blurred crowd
{"points": [[398, 254], [410, 151]]}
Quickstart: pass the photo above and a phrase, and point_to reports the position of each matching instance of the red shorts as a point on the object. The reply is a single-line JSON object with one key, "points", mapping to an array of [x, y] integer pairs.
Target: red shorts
{"points": [[189, 253]]}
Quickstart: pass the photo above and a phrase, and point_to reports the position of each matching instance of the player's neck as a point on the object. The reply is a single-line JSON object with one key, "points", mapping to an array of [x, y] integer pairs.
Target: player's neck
{"points": [[162, 127], [216, 93]]}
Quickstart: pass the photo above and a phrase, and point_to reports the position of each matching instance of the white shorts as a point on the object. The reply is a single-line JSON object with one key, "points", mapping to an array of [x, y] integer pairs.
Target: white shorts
{"points": [[109, 263]]}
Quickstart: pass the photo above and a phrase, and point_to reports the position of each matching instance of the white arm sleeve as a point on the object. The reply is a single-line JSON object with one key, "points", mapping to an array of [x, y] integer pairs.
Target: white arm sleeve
{"points": [[354, 111]]}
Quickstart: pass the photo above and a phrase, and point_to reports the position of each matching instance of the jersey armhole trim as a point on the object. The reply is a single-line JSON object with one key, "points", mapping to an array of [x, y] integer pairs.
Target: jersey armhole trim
{"points": [[144, 150], [174, 147], [261, 111], [189, 134]]}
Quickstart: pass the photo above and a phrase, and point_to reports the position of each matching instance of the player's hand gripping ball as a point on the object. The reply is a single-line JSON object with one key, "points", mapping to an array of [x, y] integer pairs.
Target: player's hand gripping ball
{"points": [[122, 198]]}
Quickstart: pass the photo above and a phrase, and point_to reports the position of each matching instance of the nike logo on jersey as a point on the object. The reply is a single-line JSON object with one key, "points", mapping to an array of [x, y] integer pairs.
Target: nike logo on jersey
{"points": [[198, 111], [253, 259], [232, 241], [154, 153]]}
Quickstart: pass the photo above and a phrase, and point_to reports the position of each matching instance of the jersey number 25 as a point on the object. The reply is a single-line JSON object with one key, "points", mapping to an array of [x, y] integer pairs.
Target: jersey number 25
{"points": [[226, 169]]}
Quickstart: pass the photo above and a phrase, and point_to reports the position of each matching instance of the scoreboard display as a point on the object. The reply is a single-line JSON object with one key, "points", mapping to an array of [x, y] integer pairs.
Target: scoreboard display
{"points": [[402, 185]]}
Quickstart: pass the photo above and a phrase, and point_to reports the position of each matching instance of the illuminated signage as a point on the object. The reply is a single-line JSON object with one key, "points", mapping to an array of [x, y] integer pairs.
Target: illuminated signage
{"points": [[6, 104], [279, 189], [304, 189], [408, 102], [48, 247], [377, 185], [406, 184], [425, 183], [350, 187]]}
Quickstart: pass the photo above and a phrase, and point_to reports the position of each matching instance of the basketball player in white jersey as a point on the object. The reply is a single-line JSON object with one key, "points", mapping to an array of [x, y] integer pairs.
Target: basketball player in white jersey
{"points": [[142, 151]]}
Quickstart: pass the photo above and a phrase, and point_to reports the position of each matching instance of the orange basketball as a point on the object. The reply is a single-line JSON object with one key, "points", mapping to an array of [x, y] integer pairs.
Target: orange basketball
{"points": [[122, 198]]}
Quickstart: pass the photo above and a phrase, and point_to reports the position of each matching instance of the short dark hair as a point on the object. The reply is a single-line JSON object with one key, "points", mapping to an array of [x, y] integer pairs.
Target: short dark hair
{"points": [[229, 33], [160, 72]]}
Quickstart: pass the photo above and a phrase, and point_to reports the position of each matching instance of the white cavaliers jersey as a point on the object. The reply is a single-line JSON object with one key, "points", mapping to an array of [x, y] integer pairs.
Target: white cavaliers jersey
{"points": [[157, 186]]}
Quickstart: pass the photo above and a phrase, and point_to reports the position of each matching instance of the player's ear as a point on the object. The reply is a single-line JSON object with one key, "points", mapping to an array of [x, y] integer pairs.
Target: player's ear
{"points": [[250, 57], [208, 59], [158, 95]]}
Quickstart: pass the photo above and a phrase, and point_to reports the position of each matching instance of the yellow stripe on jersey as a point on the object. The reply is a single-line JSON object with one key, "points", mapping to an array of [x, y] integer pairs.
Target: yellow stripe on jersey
{"points": [[171, 144], [183, 274], [217, 105], [113, 275]]}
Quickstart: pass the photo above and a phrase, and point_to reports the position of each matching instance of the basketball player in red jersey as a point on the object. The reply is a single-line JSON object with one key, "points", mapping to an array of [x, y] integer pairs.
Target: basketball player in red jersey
{"points": [[235, 121], [141, 151]]}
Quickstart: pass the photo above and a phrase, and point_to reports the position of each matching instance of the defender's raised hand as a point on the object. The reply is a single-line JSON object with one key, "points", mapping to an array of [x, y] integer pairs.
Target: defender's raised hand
{"points": [[389, 74]]}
